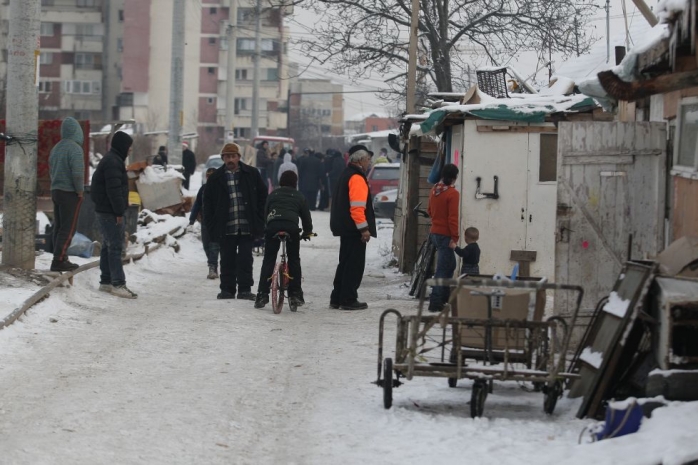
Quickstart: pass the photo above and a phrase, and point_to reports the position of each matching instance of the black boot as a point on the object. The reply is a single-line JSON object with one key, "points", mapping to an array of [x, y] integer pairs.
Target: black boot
{"points": [[65, 265], [261, 300]]}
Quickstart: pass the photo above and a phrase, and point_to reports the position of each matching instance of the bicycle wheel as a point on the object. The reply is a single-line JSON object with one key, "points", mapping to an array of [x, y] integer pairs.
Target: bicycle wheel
{"points": [[425, 271], [417, 266], [277, 290]]}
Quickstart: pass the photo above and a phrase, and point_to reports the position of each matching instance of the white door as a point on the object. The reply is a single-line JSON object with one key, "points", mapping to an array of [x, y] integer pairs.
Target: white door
{"points": [[542, 202]]}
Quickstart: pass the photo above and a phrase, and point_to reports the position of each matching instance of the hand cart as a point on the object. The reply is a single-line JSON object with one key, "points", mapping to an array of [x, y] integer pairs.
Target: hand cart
{"points": [[497, 349]]}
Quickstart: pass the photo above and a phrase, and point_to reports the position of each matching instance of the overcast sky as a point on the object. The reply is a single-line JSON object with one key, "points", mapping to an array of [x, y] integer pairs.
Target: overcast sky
{"points": [[302, 22]]}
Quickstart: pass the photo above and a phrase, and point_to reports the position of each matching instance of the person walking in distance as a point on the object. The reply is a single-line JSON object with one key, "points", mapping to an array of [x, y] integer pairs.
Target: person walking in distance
{"points": [[234, 216], [67, 170], [353, 220], [263, 159], [110, 196], [211, 248], [189, 164], [310, 174], [444, 202]]}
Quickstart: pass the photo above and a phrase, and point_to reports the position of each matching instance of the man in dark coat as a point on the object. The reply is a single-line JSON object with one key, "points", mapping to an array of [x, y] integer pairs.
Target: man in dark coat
{"points": [[353, 220], [263, 160], [234, 216], [310, 178], [110, 196], [161, 157], [337, 166], [189, 164]]}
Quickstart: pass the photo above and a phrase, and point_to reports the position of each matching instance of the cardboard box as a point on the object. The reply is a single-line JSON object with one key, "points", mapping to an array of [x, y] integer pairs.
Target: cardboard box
{"points": [[514, 305], [680, 258]]}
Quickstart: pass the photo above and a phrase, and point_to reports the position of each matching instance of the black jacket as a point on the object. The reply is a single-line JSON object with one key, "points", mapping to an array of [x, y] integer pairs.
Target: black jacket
{"points": [[341, 222], [188, 161], [110, 184], [337, 165], [287, 204], [310, 174], [217, 201], [198, 203]]}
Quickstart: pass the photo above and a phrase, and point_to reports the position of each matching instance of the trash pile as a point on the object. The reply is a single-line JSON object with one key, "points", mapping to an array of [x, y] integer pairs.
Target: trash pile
{"points": [[157, 188]]}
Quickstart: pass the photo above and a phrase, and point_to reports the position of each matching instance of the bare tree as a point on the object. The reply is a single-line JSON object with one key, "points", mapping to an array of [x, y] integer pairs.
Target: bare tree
{"points": [[359, 37]]}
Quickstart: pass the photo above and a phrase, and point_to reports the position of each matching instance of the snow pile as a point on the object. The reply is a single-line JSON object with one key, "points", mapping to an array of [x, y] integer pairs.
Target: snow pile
{"points": [[616, 305], [592, 358], [667, 10], [561, 86], [159, 228], [156, 174]]}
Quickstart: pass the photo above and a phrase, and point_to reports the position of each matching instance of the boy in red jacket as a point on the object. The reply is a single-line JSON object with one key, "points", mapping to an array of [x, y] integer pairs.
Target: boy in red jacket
{"points": [[444, 204]]}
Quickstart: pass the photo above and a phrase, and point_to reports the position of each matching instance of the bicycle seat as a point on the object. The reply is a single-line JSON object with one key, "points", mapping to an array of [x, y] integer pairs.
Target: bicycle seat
{"points": [[281, 234]]}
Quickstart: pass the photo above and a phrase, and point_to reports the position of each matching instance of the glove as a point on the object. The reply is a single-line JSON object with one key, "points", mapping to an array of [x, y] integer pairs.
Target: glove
{"points": [[306, 236]]}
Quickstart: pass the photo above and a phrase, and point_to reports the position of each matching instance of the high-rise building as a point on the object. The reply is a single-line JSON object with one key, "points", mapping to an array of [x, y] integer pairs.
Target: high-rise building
{"points": [[316, 112]]}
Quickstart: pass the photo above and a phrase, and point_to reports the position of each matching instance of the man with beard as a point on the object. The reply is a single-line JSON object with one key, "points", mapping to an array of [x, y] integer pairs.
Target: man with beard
{"points": [[234, 216]]}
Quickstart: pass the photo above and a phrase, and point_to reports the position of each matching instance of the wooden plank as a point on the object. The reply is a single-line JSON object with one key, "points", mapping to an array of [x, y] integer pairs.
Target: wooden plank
{"points": [[598, 160], [523, 255], [507, 129], [615, 153]]}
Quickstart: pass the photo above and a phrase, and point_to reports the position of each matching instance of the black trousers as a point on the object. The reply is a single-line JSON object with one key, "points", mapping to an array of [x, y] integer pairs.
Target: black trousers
{"points": [[350, 271], [271, 250], [185, 183], [236, 263], [66, 209], [310, 198], [324, 199]]}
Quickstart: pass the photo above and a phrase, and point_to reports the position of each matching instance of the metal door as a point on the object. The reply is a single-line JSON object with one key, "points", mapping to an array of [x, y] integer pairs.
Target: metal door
{"points": [[611, 179]]}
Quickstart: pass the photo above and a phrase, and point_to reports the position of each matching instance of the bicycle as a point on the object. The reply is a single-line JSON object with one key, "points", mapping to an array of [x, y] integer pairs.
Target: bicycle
{"points": [[423, 266], [280, 278]]}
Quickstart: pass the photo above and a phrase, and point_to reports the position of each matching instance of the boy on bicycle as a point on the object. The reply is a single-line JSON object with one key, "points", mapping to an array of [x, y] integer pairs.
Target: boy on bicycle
{"points": [[284, 207]]}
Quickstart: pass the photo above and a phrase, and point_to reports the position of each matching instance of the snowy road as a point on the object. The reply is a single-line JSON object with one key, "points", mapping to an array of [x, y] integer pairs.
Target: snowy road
{"points": [[177, 376]]}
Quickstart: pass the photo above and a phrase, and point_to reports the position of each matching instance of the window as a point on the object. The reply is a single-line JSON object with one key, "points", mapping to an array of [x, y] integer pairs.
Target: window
{"points": [[47, 29], [547, 168], [241, 104], [82, 115], [245, 15], [211, 70], [213, 10], [84, 30], [86, 3], [46, 2], [83, 87], [685, 150], [269, 45], [46, 58], [272, 74], [85, 60], [210, 100], [241, 74], [121, 16], [119, 44], [44, 87], [212, 41], [245, 45], [385, 173]]}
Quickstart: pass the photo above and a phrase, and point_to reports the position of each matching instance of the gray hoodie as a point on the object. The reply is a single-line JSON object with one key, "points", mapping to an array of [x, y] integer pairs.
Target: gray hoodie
{"points": [[66, 161], [287, 165]]}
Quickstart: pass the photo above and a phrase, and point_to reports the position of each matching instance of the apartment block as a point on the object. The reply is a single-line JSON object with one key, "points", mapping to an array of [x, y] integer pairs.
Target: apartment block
{"points": [[316, 109]]}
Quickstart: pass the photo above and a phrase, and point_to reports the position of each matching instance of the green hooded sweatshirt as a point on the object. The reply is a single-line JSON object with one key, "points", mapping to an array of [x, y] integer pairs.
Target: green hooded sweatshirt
{"points": [[66, 163]]}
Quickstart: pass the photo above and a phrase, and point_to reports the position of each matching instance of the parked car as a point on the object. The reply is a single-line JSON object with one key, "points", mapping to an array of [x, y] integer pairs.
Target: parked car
{"points": [[384, 204], [214, 161], [384, 176]]}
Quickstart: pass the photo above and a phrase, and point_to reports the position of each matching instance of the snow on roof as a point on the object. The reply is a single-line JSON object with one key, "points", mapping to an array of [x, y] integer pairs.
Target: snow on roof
{"points": [[519, 107], [369, 114], [581, 67], [375, 134], [667, 9]]}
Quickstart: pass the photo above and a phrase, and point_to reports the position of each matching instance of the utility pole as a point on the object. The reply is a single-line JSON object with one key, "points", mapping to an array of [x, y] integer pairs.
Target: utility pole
{"points": [[608, 30], [174, 138], [412, 63], [230, 83], [22, 112], [257, 55]]}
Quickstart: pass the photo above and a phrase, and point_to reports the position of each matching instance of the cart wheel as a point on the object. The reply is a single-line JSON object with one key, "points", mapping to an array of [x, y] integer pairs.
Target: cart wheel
{"points": [[388, 383], [552, 394], [477, 398]]}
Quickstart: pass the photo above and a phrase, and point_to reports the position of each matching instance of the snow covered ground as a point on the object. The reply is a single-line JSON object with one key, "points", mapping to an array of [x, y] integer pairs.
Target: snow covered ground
{"points": [[177, 376]]}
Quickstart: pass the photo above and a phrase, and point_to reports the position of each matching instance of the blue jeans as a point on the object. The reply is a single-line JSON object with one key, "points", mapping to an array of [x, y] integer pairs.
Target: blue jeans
{"points": [[445, 266], [110, 264]]}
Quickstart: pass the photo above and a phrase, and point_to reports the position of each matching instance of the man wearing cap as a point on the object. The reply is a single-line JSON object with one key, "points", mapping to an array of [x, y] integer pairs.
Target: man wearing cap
{"points": [[353, 220], [234, 216], [189, 164]]}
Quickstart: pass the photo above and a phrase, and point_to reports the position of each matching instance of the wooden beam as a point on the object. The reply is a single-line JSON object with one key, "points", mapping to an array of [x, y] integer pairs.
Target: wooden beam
{"points": [[646, 12], [636, 90], [504, 128]]}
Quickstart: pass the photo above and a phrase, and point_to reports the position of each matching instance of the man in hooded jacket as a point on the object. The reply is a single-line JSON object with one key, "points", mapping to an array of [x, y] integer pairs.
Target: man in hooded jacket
{"points": [[110, 196], [67, 169]]}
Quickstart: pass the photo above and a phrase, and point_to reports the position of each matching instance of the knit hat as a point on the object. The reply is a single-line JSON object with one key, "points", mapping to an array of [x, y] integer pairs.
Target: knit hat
{"points": [[121, 142], [356, 148], [231, 148], [288, 179]]}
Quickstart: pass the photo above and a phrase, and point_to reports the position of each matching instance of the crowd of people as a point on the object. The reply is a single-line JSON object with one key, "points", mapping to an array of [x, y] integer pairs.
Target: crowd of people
{"points": [[239, 204]]}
